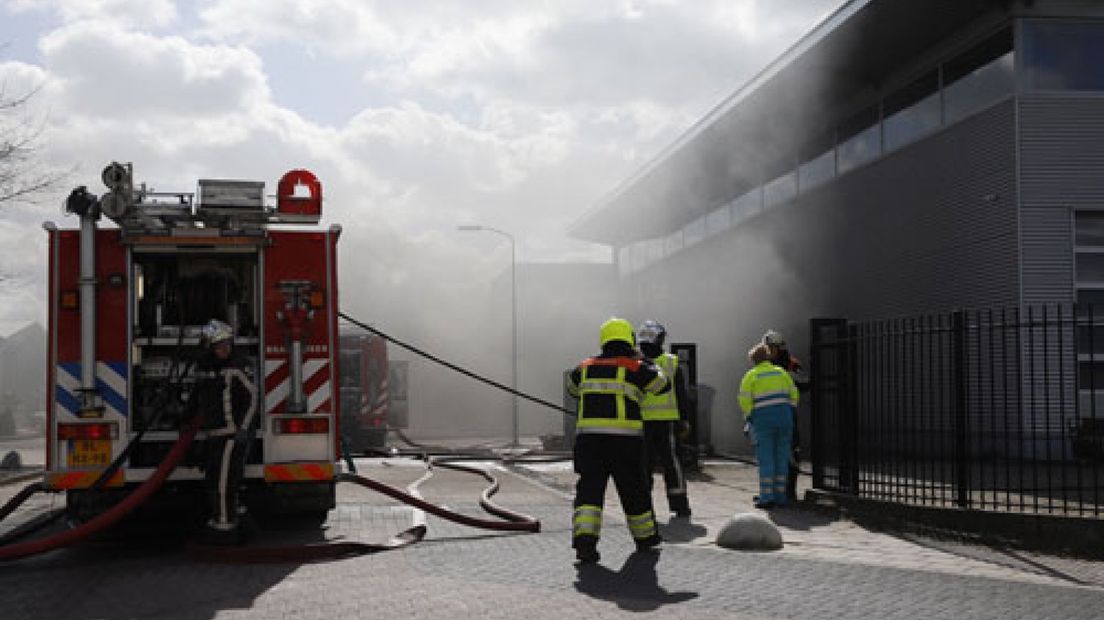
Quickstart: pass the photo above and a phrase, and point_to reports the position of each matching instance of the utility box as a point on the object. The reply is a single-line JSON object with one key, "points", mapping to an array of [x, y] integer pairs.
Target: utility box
{"points": [[697, 443]]}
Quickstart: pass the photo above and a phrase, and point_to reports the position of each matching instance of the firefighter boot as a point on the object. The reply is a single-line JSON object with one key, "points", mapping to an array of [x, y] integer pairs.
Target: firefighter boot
{"points": [[650, 543], [586, 549]]}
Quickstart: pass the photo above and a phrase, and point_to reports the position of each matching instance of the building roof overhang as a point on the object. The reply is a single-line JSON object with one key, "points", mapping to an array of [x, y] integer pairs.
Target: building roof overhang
{"points": [[776, 114]]}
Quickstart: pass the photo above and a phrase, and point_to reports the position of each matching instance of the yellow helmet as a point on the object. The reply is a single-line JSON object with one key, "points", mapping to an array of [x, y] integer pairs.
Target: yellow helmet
{"points": [[617, 329]]}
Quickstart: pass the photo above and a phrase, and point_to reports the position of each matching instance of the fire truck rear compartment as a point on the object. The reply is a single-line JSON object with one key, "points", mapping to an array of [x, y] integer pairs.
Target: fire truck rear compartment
{"points": [[175, 294]]}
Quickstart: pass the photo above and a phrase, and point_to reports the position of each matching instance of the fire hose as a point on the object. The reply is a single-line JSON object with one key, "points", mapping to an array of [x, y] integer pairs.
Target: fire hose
{"points": [[113, 514], [511, 521]]}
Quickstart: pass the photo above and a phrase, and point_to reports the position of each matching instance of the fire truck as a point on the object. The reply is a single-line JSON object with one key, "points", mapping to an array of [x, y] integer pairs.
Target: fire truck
{"points": [[126, 308], [365, 391]]}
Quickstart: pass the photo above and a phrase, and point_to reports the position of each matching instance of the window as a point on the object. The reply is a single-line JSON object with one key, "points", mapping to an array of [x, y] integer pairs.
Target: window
{"points": [[639, 258], [912, 112], [817, 170], [860, 140], [624, 267], [780, 190], [1088, 234], [672, 243], [1063, 55], [1090, 267], [653, 251], [718, 220], [978, 78], [1089, 228], [746, 205], [350, 369], [693, 232]]}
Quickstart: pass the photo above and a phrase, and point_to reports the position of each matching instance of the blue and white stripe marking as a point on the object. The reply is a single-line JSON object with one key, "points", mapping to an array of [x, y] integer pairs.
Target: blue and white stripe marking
{"points": [[111, 381]]}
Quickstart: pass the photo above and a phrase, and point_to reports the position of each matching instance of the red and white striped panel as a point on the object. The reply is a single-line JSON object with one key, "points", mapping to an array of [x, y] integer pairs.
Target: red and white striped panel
{"points": [[379, 407], [316, 384]]}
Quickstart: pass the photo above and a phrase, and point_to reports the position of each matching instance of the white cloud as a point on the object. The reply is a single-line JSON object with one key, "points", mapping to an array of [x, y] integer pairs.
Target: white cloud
{"points": [[333, 26], [129, 13], [114, 73]]}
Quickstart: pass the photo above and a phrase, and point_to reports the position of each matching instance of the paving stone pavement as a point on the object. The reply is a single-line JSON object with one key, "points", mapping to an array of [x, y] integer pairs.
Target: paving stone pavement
{"points": [[828, 569]]}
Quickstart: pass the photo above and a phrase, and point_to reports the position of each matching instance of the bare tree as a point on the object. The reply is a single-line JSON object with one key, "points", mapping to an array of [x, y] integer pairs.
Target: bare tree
{"points": [[22, 175]]}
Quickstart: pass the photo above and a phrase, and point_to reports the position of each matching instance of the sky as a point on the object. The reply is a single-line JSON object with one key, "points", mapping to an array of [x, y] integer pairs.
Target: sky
{"points": [[417, 117]]}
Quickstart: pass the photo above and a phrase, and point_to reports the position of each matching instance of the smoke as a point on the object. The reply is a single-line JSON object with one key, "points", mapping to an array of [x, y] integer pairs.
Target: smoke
{"points": [[503, 115]]}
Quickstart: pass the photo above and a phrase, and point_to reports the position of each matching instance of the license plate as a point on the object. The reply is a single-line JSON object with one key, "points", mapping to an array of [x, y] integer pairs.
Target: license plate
{"points": [[89, 452]]}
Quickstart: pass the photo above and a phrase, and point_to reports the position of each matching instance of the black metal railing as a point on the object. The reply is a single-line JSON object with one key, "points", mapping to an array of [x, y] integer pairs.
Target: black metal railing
{"points": [[995, 410]]}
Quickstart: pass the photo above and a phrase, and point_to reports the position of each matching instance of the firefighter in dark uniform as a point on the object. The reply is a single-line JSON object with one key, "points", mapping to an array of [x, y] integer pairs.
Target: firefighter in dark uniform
{"points": [[665, 416], [227, 395], [609, 438], [780, 356]]}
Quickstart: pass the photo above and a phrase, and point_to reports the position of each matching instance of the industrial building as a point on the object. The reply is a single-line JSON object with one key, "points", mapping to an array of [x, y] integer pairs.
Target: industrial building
{"points": [[904, 157]]}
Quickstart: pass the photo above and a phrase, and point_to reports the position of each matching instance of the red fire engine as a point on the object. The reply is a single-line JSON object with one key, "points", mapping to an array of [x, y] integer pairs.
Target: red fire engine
{"points": [[365, 391], [126, 308]]}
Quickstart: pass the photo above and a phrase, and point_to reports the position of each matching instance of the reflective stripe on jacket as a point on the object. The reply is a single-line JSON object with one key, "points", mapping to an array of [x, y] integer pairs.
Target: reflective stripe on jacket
{"points": [[610, 390], [662, 406], [766, 385]]}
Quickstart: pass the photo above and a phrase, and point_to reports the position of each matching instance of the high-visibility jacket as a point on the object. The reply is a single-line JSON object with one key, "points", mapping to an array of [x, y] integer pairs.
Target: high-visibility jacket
{"points": [[610, 390], [661, 407], [766, 385]]}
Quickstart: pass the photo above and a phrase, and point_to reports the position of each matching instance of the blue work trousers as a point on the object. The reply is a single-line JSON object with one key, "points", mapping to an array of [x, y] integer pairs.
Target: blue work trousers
{"points": [[773, 427]]}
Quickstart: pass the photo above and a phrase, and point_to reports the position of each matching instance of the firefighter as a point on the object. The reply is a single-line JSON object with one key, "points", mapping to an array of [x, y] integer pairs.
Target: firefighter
{"points": [[610, 438], [768, 396], [780, 356], [665, 415], [227, 396]]}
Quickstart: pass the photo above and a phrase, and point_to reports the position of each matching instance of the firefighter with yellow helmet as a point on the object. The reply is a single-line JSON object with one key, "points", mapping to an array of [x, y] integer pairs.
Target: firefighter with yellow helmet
{"points": [[609, 438]]}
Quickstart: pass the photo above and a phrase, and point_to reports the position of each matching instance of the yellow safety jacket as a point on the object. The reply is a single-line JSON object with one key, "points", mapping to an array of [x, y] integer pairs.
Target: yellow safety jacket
{"points": [[662, 407], [766, 385], [610, 390]]}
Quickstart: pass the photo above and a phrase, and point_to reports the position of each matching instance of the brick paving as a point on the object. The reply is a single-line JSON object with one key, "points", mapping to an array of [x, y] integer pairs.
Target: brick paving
{"points": [[828, 569]]}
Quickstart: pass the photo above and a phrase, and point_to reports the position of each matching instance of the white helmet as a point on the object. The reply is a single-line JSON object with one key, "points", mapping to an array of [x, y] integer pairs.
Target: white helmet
{"points": [[215, 331], [774, 338], [651, 332]]}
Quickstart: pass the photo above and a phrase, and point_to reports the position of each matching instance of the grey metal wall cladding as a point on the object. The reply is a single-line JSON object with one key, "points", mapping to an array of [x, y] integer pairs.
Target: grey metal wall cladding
{"points": [[1061, 168], [931, 227]]}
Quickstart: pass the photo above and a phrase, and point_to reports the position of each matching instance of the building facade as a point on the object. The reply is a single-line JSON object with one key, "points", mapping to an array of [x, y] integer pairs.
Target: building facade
{"points": [[902, 158]]}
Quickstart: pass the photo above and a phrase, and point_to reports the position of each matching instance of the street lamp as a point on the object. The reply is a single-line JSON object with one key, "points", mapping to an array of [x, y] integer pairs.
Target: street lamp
{"points": [[513, 309]]}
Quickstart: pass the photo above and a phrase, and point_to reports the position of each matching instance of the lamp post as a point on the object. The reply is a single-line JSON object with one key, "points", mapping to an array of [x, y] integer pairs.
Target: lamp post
{"points": [[513, 311]]}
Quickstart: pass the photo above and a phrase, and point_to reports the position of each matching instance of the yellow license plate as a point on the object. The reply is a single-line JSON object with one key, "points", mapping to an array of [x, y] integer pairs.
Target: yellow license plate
{"points": [[89, 452]]}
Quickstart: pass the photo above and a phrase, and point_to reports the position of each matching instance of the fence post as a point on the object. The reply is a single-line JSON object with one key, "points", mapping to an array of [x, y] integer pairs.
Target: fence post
{"points": [[962, 428], [849, 418]]}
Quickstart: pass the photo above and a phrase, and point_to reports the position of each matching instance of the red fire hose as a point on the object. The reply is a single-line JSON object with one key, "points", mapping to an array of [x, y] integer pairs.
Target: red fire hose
{"points": [[113, 514]]}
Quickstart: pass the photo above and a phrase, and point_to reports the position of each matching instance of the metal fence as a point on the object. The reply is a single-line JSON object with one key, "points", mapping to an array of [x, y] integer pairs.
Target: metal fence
{"points": [[994, 410]]}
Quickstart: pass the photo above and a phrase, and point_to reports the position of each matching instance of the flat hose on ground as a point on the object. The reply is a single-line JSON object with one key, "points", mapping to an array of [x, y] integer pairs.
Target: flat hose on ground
{"points": [[515, 522]]}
